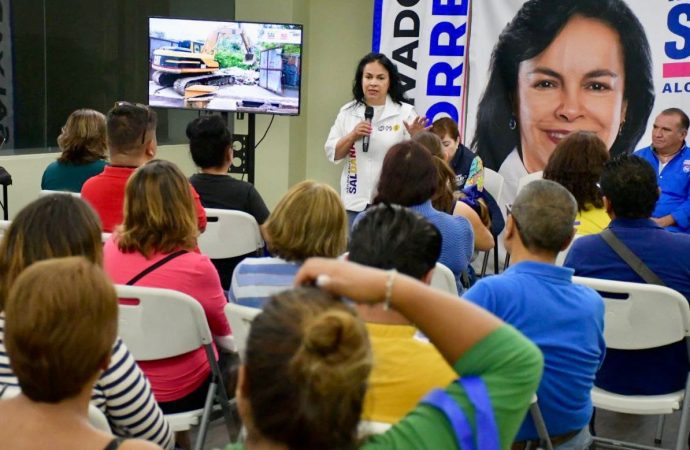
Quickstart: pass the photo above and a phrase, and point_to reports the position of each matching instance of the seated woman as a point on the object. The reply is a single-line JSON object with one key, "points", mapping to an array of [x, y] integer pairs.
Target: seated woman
{"points": [[56, 358], [308, 360], [446, 197], [83, 146], [59, 226], [409, 178], [210, 144], [310, 220], [160, 228], [577, 164]]}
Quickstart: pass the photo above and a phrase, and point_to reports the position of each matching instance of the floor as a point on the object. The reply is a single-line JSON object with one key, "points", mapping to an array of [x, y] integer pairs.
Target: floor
{"points": [[638, 429]]}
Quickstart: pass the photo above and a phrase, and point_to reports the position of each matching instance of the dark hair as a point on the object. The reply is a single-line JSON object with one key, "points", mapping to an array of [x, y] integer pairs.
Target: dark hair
{"points": [[395, 88], [127, 126], [576, 164], [209, 140], [630, 184], [307, 363], [408, 175], [393, 237], [532, 30], [53, 226], [445, 126], [544, 214], [684, 121]]}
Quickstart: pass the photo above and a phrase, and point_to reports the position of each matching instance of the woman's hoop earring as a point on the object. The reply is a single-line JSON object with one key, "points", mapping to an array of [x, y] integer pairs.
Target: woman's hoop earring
{"points": [[512, 123]]}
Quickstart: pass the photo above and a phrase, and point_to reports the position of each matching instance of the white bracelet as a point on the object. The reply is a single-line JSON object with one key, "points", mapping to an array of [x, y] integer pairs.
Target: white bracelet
{"points": [[389, 289]]}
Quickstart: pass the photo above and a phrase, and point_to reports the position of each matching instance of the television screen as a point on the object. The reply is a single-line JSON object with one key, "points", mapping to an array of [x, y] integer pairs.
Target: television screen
{"points": [[225, 66]]}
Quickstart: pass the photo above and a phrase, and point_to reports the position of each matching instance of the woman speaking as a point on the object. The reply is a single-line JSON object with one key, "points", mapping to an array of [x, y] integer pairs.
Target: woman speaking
{"points": [[366, 127]]}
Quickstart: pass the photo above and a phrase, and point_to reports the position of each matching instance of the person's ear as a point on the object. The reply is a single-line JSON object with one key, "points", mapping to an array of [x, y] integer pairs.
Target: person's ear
{"points": [[229, 154], [624, 112], [568, 241], [607, 205], [509, 233], [426, 278]]}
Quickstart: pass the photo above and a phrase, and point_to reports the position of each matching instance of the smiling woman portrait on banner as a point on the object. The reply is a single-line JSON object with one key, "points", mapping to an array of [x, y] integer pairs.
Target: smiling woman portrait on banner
{"points": [[562, 66]]}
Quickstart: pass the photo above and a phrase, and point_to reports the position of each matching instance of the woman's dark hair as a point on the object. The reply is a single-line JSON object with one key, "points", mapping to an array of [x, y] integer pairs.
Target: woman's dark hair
{"points": [[209, 140], [307, 363], [577, 164], [408, 175], [532, 30], [395, 89]]}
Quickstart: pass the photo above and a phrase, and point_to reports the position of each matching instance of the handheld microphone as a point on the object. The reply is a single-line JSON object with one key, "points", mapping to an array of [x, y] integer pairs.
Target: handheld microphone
{"points": [[368, 115]]}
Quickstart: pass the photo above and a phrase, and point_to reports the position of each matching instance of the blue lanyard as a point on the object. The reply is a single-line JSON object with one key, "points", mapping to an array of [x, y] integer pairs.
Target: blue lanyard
{"points": [[486, 429]]}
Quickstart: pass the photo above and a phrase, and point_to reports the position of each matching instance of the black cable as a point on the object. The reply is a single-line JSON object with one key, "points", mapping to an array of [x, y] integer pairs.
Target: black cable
{"points": [[273, 116]]}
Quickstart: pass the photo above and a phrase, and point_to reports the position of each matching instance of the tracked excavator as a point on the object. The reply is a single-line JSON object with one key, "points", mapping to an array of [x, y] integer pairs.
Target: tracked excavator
{"points": [[183, 67]]}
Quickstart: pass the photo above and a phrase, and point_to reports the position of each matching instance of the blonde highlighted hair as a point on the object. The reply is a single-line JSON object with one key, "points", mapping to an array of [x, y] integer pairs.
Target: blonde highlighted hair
{"points": [[310, 220], [159, 214], [83, 137]]}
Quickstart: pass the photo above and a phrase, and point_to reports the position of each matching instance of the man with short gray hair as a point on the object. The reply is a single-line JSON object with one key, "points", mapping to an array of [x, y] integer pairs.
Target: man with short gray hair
{"points": [[538, 298]]}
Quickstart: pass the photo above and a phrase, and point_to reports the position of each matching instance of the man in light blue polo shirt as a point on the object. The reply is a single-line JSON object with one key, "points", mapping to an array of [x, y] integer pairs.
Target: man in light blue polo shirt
{"points": [[538, 298], [670, 158]]}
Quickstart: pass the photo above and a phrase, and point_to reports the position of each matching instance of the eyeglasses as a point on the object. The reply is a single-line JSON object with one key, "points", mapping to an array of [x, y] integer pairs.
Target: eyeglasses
{"points": [[136, 106]]}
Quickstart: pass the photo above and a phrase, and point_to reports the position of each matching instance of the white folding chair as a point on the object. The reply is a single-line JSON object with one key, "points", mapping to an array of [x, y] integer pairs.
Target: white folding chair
{"points": [[46, 192], [493, 184], [648, 316], [240, 319], [96, 417], [229, 233], [165, 323], [442, 278]]}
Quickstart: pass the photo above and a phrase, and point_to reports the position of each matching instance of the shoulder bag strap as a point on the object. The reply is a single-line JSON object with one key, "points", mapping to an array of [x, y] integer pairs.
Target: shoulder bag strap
{"points": [[630, 258], [155, 266], [486, 430]]}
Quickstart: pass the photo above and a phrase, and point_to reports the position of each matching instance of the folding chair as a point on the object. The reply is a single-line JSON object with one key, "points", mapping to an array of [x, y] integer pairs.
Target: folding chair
{"points": [[442, 278], [46, 192], [493, 184], [539, 424], [648, 316], [229, 233], [240, 319], [524, 181], [164, 323]]}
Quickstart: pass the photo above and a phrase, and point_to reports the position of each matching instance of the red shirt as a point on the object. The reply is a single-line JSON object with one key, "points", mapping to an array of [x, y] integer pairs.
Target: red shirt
{"points": [[106, 194]]}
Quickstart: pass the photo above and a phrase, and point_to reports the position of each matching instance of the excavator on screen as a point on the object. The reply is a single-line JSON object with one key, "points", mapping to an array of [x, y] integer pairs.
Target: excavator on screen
{"points": [[183, 67]]}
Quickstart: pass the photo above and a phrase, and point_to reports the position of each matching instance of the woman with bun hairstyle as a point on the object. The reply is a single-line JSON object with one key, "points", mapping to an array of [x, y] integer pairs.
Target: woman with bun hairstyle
{"points": [[56, 358], [577, 164], [59, 226], [308, 221], [83, 145], [376, 85], [302, 383]]}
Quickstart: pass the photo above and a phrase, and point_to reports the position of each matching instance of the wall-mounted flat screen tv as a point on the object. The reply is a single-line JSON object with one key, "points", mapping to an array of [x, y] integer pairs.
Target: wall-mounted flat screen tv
{"points": [[225, 66]]}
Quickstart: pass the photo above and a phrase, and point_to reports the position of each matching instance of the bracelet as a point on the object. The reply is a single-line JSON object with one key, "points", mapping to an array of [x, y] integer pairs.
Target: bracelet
{"points": [[389, 289]]}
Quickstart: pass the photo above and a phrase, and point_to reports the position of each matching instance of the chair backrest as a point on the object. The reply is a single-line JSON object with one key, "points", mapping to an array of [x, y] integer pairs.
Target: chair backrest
{"points": [[560, 258], [493, 183], [639, 315], [442, 278], [46, 192], [229, 233], [528, 179], [96, 417], [240, 319], [159, 323]]}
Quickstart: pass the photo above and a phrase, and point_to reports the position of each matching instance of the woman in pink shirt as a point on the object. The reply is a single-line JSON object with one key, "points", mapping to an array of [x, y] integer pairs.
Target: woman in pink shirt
{"points": [[160, 222]]}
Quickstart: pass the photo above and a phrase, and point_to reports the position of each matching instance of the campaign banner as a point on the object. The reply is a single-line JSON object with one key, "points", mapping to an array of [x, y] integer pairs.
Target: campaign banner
{"points": [[427, 40], [6, 71]]}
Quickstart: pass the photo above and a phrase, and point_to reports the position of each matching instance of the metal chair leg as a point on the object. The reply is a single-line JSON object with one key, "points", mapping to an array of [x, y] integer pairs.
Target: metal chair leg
{"points": [[659, 430]]}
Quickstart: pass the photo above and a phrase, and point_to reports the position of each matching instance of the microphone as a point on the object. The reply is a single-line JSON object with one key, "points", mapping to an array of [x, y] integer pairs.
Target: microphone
{"points": [[368, 115]]}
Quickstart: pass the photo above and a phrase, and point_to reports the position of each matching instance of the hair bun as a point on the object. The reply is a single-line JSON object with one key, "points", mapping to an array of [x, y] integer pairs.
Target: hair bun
{"points": [[326, 333]]}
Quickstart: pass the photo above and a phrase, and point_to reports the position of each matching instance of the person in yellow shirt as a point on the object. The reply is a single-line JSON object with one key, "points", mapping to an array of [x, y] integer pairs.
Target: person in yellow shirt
{"points": [[406, 365], [577, 164]]}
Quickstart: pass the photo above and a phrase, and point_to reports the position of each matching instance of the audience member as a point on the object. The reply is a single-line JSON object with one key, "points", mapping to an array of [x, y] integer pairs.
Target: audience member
{"points": [[131, 137], [629, 186], [210, 144], [59, 226], [576, 164], [406, 366], [467, 166], [565, 320], [409, 178], [155, 247], [308, 358], [56, 359], [83, 147], [310, 220], [670, 158]]}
